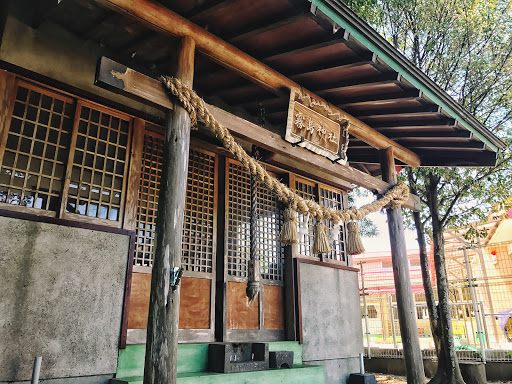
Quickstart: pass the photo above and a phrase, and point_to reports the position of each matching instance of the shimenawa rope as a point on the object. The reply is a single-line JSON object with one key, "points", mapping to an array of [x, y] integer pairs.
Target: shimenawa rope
{"points": [[195, 106]]}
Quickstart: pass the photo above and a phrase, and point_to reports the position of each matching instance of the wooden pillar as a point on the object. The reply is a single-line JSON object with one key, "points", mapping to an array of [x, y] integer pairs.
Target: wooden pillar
{"points": [[162, 334], [404, 296]]}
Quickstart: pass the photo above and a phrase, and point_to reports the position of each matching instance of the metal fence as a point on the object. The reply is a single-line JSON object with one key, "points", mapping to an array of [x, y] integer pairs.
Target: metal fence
{"points": [[480, 284]]}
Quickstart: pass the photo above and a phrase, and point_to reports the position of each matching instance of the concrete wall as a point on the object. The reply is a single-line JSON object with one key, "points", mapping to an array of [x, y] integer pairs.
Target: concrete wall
{"points": [[53, 52], [62, 299], [331, 320]]}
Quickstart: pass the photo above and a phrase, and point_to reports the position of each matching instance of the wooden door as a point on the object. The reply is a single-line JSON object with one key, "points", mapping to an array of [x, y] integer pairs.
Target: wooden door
{"points": [[264, 318], [196, 321]]}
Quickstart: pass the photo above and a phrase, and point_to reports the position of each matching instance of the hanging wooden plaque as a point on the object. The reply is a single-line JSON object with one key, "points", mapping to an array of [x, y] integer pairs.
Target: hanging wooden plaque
{"points": [[313, 125]]}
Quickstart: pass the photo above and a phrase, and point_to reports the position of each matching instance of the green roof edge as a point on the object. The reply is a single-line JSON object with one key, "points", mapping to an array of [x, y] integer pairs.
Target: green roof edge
{"points": [[348, 20]]}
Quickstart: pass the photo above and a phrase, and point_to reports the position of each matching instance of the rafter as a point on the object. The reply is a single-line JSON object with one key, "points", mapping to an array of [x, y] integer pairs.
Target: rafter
{"points": [[383, 99], [158, 17], [269, 25], [335, 65], [386, 78], [208, 8], [337, 38], [387, 112]]}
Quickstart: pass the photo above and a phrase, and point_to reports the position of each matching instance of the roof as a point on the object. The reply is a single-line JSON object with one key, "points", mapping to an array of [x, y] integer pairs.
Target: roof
{"points": [[324, 47]]}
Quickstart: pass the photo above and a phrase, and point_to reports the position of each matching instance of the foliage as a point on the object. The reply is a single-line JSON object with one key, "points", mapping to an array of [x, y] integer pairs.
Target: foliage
{"points": [[366, 9], [464, 195], [366, 226], [465, 47]]}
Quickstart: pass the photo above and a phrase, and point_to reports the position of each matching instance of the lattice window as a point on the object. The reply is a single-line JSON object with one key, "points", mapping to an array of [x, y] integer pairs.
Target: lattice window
{"points": [[326, 197], [198, 226], [33, 165], [147, 206], [270, 220], [239, 219], [99, 164], [270, 250], [198, 236], [306, 190], [333, 199]]}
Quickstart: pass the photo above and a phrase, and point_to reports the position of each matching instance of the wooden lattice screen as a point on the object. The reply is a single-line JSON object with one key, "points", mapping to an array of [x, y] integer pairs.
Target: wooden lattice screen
{"points": [[333, 199], [198, 228], [36, 150], [327, 197], [99, 161], [147, 206], [270, 220], [306, 190], [199, 221]]}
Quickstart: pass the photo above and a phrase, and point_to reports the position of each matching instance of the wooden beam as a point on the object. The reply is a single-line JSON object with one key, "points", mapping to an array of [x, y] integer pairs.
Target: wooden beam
{"points": [[368, 100], [273, 100], [162, 19], [417, 123], [409, 115], [269, 25], [7, 97], [377, 111], [450, 135], [366, 59], [428, 126], [385, 78], [162, 335], [421, 144], [403, 289], [120, 79], [436, 158], [337, 38], [452, 146], [208, 8]]}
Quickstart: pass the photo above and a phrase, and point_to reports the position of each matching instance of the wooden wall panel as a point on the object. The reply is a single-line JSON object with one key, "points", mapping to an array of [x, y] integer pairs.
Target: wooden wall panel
{"points": [[195, 303], [139, 301], [273, 307], [241, 314]]}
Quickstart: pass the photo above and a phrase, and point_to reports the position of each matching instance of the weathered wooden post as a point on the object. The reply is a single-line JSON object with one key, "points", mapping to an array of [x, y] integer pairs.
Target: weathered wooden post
{"points": [[404, 298], [162, 333]]}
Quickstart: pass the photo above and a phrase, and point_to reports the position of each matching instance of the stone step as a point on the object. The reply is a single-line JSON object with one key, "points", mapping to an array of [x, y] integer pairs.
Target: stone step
{"points": [[192, 358], [299, 374]]}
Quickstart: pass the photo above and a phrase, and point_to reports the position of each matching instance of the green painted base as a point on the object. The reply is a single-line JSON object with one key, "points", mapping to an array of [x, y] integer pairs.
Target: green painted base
{"points": [[193, 363], [297, 375], [191, 358]]}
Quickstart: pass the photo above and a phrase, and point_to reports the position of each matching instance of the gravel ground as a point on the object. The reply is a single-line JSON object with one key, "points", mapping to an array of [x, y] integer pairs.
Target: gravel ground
{"points": [[392, 379]]}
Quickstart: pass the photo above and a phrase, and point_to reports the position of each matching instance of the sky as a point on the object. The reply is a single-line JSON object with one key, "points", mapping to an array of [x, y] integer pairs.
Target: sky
{"points": [[381, 242]]}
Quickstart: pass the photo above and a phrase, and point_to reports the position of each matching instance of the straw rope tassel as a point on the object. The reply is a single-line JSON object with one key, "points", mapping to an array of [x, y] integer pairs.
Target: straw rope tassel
{"points": [[354, 243], [321, 243], [288, 234]]}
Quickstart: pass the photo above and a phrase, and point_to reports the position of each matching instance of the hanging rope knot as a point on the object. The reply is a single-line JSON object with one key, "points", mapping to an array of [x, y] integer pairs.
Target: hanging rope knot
{"points": [[195, 106], [397, 195], [183, 94]]}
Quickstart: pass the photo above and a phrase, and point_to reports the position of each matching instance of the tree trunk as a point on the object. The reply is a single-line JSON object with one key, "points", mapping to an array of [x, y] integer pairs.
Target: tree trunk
{"points": [[448, 371], [425, 269], [405, 302], [162, 335]]}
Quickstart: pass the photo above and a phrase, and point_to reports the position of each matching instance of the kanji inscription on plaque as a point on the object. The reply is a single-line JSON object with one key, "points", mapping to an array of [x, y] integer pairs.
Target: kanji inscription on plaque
{"points": [[312, 125]]}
